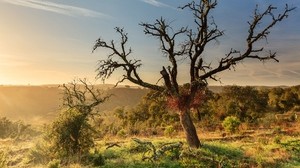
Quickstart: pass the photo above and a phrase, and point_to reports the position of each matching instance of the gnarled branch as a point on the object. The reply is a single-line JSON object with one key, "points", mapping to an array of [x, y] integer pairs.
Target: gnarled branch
{"points": [[255, 34], [119, 58], [82, 96]]}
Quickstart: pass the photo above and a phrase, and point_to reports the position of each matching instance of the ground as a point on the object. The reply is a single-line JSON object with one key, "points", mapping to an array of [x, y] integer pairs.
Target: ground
{"points": [[249, 148]]}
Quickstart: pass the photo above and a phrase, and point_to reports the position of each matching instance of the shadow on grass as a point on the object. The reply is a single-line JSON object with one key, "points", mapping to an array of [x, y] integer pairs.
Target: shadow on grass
{"points": [[218, 154], [218, 149]]}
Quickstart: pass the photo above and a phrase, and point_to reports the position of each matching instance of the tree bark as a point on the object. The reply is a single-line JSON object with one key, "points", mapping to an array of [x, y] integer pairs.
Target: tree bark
{"points": [[189, 129]]}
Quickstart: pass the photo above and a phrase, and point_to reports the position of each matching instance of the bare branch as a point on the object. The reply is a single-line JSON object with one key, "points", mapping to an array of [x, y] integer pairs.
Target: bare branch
{"points": [[207, 31], [254, 36], [120, 59], [198, 37], [192, 48], [162, 30], [82, 96]]}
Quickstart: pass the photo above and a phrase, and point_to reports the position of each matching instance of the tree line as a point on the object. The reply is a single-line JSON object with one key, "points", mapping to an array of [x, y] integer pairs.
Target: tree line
{"points": [[154, 113]]}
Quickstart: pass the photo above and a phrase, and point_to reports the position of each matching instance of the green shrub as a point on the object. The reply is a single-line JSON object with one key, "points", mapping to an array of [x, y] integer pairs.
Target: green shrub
{"points": [[54, 164], [97, 159], [169, 131], [121, 133], [71, 133], [111, 154], [137, 148], [277, 139], [231, 124]]}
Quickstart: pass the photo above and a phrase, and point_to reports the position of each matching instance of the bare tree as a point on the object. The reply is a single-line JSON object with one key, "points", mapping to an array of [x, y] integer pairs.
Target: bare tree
{"points": [[191, 51], [82, 96]]}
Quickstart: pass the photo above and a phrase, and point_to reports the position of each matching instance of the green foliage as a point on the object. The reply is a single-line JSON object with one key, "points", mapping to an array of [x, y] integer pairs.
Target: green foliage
{"points": [[71, 133], [277, 139], [147, 117], [282, 100], [153, 153], [96, 159], [275, 95], [110, 154], [251, 105], [246, 103], [231, 124], [167, 152], [292, 145], [121, 133], [169, 131], [54, 164], [213, 154]]}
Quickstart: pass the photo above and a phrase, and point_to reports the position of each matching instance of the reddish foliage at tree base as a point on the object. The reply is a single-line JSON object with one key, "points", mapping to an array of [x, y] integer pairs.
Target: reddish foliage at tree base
{"points": [[184, 101]]}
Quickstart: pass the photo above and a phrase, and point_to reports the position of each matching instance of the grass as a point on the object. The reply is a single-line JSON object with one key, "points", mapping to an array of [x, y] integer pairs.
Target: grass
{"points": [[261, 152], [258, 150]]}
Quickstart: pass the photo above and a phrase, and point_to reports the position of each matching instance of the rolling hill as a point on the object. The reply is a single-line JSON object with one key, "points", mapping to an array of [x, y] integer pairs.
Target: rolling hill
{"points": [[41, 104]]}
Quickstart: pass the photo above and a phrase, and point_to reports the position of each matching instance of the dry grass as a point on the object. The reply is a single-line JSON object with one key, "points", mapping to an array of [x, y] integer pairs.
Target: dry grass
{"points": [[250, 148]]}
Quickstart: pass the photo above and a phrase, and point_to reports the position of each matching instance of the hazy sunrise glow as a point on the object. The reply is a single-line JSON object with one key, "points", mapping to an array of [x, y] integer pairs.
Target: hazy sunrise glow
{"points": [[50, 42]]}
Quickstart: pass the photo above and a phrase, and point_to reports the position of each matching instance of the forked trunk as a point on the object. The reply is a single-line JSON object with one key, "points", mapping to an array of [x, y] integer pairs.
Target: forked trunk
{"points": [[189, 129]]}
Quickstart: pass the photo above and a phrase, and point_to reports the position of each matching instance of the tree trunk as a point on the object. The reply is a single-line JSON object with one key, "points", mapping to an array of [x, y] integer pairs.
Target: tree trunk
{"points": [[189, 129]]}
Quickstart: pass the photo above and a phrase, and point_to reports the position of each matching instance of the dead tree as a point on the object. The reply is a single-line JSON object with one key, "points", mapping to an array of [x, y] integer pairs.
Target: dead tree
{"points": [[190, 50], [82, 96]]}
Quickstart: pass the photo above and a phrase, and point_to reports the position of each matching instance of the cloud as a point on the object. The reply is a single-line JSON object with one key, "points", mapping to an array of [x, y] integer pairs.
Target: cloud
{"points": [[157, 3], [57, 8]]}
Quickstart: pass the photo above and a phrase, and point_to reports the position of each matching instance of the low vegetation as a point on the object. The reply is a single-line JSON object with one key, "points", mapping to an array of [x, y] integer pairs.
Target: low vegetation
{"points": [[148, 135], [255, 150]]}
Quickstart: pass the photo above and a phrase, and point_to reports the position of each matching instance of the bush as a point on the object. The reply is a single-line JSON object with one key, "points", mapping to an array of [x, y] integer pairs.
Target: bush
{"points": [[231, 124], [121, 133], [72, 134], [54, 164], [169, 131], [97, 159]]}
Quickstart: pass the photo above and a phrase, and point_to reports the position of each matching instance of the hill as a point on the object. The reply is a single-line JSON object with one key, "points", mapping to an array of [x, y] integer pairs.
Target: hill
{"points": [[41, 104]]}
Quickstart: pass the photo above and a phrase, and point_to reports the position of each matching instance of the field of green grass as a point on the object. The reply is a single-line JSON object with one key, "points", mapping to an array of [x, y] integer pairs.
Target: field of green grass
{"points": [[259, 148]]}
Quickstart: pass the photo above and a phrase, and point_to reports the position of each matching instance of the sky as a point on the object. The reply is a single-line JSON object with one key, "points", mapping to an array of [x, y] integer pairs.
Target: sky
{"points": [[51, 41]]}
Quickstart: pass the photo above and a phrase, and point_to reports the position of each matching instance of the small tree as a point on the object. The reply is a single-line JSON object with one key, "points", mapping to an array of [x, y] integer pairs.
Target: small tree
{"points": [[191, 50], [72, 133], [231, 124]]}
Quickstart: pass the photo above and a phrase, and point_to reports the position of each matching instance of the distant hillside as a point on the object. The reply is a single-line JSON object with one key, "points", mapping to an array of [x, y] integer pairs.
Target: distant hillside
{"points": [[123, 97], [41, 104], [29, 103]]}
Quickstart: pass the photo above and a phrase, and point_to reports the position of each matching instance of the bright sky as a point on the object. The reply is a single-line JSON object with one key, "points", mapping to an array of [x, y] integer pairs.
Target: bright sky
{"points": [[50, 41]]}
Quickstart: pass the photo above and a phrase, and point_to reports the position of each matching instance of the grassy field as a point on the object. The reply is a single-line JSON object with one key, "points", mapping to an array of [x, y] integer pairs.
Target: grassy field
{"points": [[252, 148]]}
